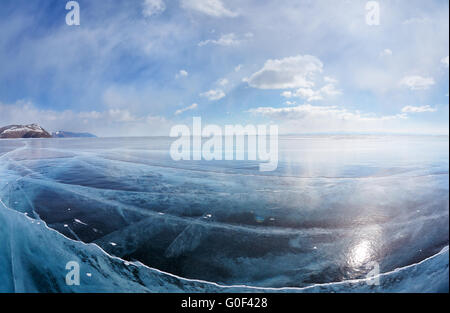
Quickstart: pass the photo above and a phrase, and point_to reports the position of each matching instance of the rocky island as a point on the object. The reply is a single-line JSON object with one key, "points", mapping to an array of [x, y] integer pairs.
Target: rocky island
{"points": [[23, 131], [36, 131]]}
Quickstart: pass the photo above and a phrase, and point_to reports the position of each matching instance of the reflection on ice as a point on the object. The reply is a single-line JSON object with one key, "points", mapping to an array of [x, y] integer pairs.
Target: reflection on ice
{"points": [[365, 250], [360, 254]]}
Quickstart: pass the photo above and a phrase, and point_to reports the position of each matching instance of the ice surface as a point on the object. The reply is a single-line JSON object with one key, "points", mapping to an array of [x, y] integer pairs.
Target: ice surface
{"points": [[334, 205], [37, 264]]}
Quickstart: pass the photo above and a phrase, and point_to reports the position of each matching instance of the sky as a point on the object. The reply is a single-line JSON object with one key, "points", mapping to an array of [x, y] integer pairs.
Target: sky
{"points": [[138, 67]]}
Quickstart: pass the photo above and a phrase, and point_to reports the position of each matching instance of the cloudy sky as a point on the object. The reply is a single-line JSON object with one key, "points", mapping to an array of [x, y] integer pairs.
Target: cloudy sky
{"points": [[137, 67]]}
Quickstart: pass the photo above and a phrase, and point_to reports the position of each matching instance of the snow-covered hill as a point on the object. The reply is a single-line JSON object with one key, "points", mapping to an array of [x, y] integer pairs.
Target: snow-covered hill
{"points": [[23, 131]]}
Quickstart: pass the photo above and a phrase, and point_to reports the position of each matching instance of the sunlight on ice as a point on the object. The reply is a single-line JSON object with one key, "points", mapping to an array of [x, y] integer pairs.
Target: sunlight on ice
{"points": [[360, 254]]}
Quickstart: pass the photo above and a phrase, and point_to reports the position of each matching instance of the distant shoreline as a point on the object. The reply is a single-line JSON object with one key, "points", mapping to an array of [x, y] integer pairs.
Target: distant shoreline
{"points": [[281, 136]]}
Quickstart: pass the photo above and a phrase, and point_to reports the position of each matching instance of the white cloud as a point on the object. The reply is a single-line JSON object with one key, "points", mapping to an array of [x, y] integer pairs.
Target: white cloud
{"points": [[213, 95], [223, 82], [386, 52], [309, 118], [182, 73], [121, 115], [445, 61], [329, 90], [417, 82], [327, 112], [213, 8], [287, 94], [189, 108], [418, 109], [153, 7], [309, 94], [238, 68], [226, 40], [330, 80], [291, 72]]}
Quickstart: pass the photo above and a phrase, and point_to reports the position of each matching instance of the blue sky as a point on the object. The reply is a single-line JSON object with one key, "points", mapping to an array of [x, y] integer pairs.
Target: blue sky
{"points": [[137, 67]]}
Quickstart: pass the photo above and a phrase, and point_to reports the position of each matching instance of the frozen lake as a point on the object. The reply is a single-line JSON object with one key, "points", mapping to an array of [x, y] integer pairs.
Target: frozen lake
{"points": [[335, 206]]}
